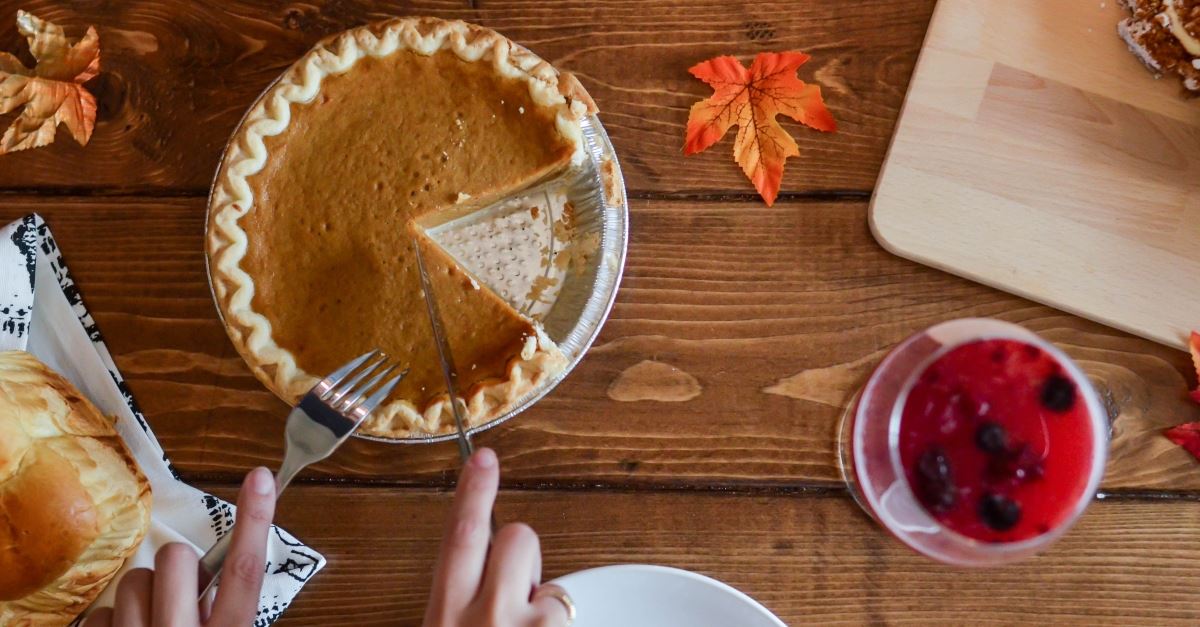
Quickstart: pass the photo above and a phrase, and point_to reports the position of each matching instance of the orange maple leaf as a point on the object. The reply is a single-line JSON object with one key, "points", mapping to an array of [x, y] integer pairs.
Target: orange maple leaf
{"points": [[1194, 346], [751, 99], [52, 91], [1188, 435]]}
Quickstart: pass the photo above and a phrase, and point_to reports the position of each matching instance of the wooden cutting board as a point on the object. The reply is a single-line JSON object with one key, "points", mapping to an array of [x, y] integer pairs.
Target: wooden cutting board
{"points": [[1036, 154]]}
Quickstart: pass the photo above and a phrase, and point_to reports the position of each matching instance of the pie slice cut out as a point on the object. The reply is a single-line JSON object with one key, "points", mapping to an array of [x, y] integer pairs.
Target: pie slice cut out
{"points": [[516, 247]]}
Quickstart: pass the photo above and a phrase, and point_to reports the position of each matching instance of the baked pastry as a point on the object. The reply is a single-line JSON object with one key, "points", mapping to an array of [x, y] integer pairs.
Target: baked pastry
{"points": [[374, 135], [73, 504], [1165, 35]]}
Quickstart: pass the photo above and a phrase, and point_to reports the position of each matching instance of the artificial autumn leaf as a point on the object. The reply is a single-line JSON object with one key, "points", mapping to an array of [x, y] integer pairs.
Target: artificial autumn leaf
{"points": [[52, 91], [1194, 346], [751, 99], [1187, 436]]}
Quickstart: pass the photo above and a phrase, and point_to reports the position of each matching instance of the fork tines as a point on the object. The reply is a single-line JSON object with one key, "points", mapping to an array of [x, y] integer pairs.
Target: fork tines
{"points": [[345, 392]]}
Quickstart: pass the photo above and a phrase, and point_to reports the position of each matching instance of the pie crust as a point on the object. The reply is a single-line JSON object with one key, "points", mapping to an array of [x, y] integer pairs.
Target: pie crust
{"points": [[560, 98]]}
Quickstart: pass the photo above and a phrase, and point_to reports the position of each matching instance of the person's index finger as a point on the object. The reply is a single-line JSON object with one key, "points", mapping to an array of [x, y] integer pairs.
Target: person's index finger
{"points": [[242, 576], [468, 530]]}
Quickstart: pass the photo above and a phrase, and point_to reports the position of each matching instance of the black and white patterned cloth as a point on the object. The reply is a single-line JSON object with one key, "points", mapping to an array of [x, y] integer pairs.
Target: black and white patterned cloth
{"points": [[42, 312]]}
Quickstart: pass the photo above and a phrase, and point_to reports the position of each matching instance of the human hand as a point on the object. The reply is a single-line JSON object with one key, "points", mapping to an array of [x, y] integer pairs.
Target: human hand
{"points": [[167, 595], [475, 585]]}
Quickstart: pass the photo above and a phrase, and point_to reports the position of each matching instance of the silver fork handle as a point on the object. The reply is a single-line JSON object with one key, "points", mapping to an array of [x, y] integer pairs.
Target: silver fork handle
{"points": [[214, 560]]}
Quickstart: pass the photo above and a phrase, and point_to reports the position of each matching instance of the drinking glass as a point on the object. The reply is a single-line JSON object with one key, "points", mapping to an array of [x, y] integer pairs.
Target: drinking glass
{"points": [[870, 445]]}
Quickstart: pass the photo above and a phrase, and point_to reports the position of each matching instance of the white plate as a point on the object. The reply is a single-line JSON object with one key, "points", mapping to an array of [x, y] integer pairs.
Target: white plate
{"points": [[639, 595]]}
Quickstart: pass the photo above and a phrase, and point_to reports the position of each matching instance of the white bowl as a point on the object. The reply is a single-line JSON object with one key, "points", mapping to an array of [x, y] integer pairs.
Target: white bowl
{"points": [[640, 595]]}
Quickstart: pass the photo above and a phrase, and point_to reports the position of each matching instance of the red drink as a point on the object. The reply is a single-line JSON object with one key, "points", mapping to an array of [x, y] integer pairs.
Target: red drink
{"points": [[996, 441], [975, 442]]}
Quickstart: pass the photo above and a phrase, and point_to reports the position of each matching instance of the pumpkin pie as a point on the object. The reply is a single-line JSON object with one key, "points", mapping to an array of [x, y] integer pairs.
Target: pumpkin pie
{"points": [[333, 176]]}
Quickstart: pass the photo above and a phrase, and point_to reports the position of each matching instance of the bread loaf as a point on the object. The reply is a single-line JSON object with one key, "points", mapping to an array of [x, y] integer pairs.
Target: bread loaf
{"points": [[73, 504]]}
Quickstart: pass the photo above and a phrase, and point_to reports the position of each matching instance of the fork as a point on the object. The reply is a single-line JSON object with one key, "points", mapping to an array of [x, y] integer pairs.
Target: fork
{"points": [[326, 416]]}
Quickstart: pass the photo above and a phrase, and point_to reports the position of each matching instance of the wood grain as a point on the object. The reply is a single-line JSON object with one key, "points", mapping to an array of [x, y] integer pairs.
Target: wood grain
{"points": [[811, 560], [178, 75], [762, 322]]}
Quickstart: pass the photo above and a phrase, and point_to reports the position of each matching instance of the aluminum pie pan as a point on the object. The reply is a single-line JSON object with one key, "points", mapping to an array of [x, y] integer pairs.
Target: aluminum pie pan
{"points": [[596, 190]]}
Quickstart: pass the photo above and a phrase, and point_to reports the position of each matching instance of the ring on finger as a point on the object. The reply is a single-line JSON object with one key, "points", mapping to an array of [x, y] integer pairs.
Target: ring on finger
{"points": [[555, 591]]}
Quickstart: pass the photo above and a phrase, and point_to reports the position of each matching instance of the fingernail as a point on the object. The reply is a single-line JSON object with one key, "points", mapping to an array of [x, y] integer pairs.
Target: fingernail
{"points": [[261, 481], [484, 458]]}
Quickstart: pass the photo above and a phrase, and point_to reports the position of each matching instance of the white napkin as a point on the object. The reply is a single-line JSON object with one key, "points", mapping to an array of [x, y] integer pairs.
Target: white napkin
{"points": [[42, 312]]}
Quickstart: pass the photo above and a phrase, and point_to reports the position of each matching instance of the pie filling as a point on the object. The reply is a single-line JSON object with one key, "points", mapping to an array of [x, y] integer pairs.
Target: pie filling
{"points": [[397, 144]]}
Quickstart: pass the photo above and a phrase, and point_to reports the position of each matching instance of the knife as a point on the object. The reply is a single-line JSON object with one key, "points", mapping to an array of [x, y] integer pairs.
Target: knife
{"points": [[465, 448]]}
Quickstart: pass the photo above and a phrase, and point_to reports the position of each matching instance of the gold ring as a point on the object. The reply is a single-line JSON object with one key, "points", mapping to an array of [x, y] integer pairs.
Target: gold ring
{"points": [[556, 591]]}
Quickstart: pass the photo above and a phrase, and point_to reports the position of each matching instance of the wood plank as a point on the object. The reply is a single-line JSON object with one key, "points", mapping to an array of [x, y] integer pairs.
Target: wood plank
{"points": [[811, 560], [178, 75], [737, 337]]}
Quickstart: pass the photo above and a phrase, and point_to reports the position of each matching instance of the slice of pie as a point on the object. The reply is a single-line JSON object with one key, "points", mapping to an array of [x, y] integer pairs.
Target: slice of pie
{"points": [[375, 134]]}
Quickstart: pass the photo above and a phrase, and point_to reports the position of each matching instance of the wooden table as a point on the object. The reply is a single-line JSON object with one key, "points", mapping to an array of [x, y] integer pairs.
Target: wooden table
{"points": [[699, 432]]}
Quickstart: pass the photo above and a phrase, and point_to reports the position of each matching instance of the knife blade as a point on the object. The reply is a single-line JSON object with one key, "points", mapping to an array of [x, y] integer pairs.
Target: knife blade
{"points": [[465, 447]]}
